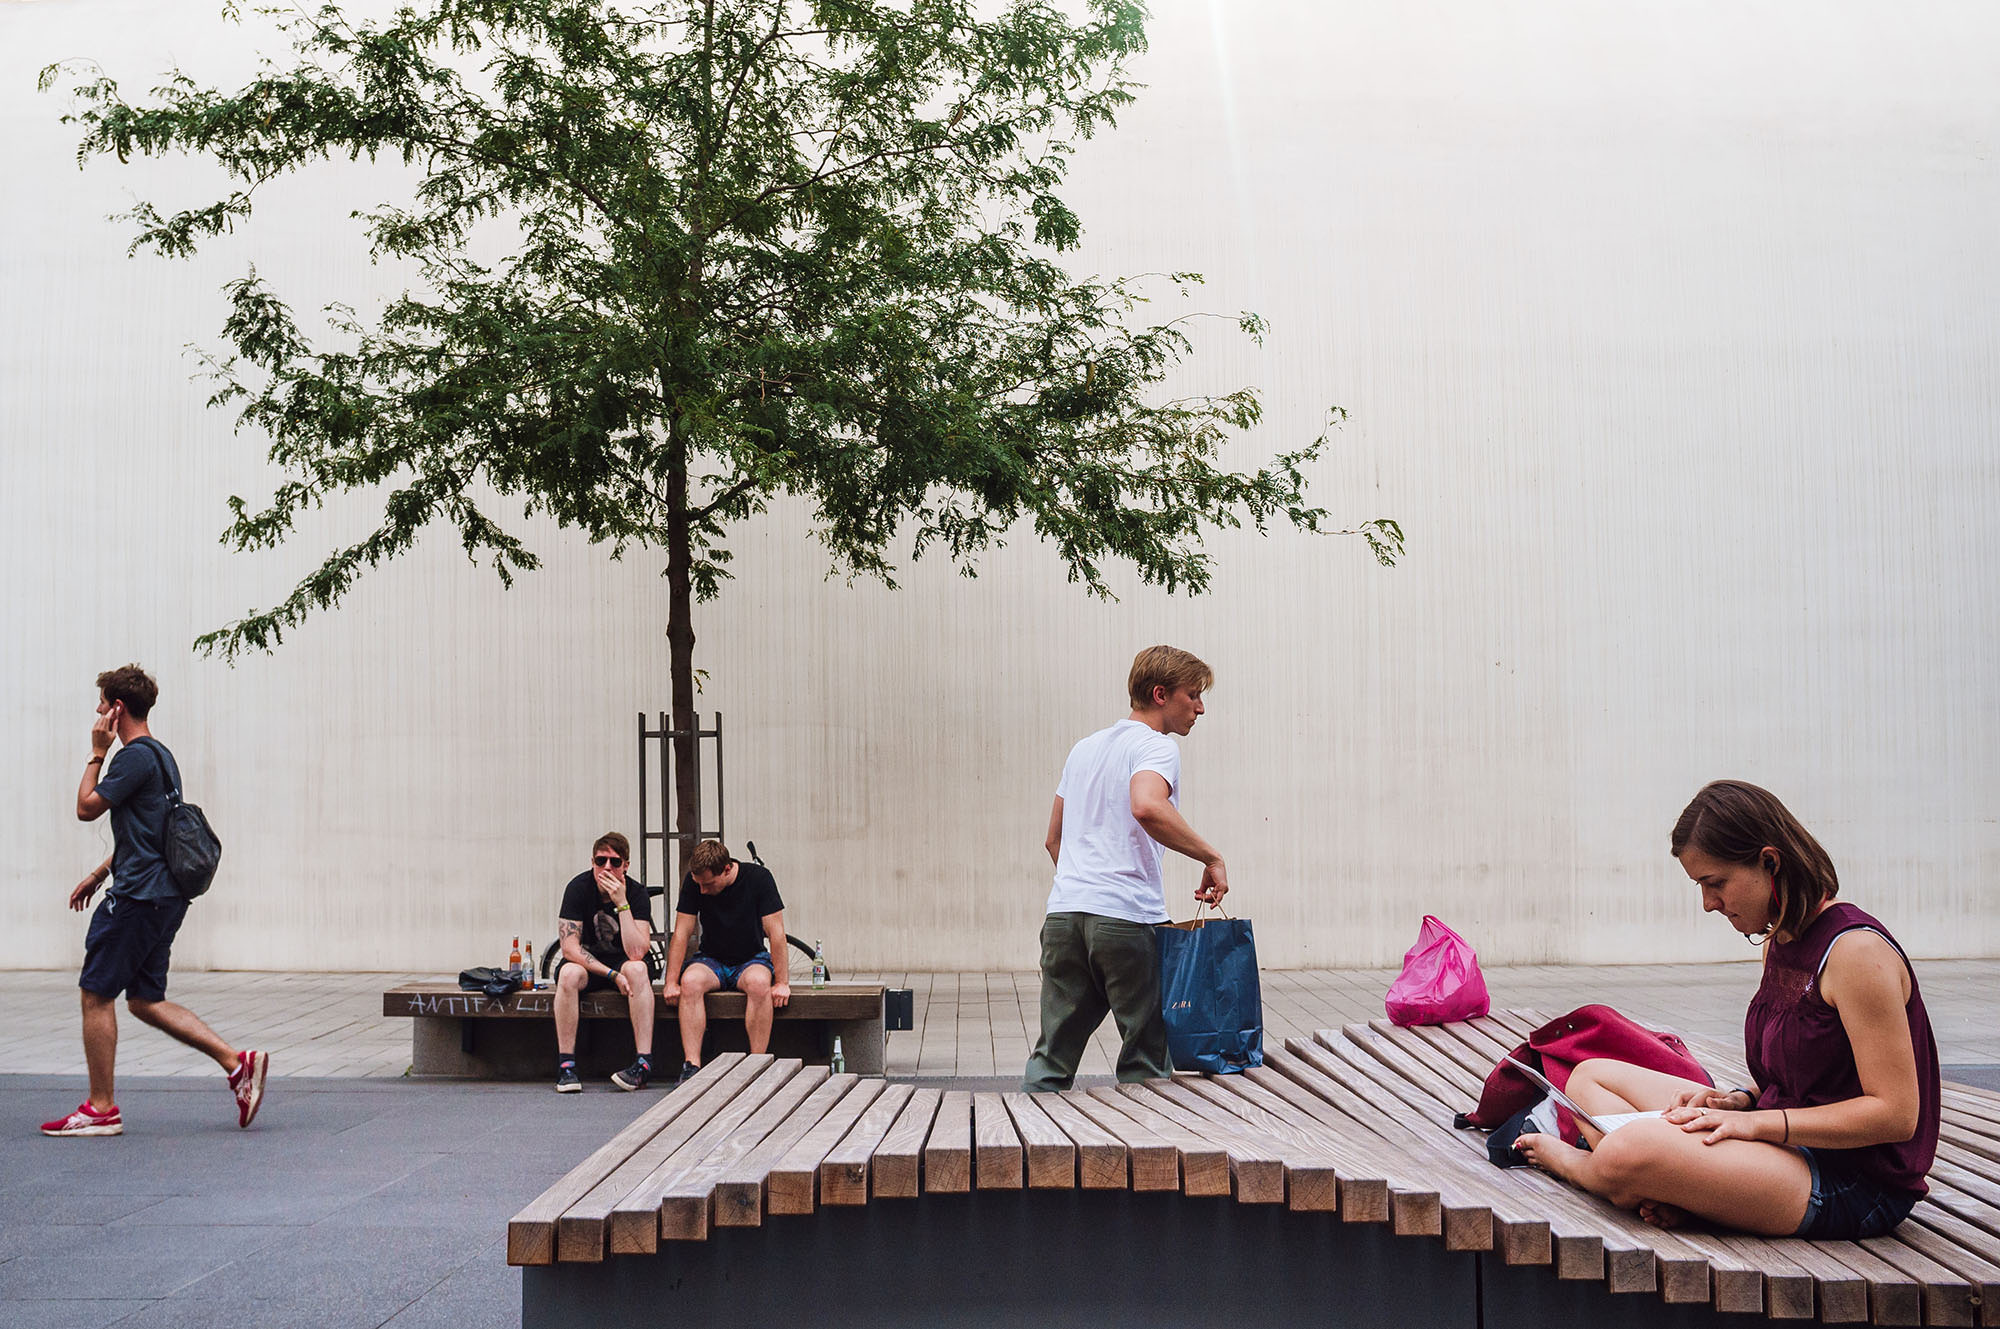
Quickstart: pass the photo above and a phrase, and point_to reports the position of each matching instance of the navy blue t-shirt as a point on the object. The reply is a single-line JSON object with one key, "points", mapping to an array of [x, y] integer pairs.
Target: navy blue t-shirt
{"points": [[136, 788]]}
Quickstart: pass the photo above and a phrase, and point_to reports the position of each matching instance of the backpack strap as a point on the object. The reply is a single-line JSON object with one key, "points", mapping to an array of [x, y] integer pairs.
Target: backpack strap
{"points": [[154, 746]]}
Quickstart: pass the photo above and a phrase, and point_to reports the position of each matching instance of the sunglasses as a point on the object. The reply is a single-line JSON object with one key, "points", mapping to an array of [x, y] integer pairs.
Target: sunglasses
{"points": [[607, 861]]}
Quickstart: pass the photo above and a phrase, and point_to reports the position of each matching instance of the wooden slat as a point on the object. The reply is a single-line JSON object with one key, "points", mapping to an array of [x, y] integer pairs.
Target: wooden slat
{"points": [[531, 1234], [686, 1204], [897, 1162], [1312, 1177], [1840, 1293], [633, 1226], [1962, 1122], [948, 1152], [789, 1189], [1100, 1155], [1947, 1297], [1204, 1166], [1256, 1164], [1464, 1197], [739, 1192], [1947, 1201], [1414, 1205], [580, 1231], [1787, 1288], [996, 1145], [843, 1173], [1981, 1274], [1155, 1163], [1361, 1187], [1051, 1155]]}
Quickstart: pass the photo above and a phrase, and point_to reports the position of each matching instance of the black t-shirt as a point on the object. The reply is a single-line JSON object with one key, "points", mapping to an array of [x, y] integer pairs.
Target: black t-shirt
{"points": [[132, 784], [583, 903], [732, 920]]}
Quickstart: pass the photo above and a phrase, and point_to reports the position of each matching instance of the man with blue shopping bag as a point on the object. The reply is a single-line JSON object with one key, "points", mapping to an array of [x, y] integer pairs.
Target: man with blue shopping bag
{"points": [[1117, 810]]}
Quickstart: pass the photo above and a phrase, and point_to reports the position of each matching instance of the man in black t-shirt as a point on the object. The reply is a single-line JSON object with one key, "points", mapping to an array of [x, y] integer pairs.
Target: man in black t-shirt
{"points": [[605, 928], [131, 935], [742, 947]]}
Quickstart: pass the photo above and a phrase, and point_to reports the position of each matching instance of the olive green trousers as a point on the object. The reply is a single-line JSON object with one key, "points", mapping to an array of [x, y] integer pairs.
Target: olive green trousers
{"points": [[1093, 966]]}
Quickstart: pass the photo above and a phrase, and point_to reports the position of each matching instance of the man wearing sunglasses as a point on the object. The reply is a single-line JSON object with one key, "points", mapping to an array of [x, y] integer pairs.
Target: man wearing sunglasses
{"points": [[605, 926]]}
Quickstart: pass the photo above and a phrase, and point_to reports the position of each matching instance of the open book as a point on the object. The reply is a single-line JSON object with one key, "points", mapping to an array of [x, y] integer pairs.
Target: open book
{"points": [[1604, 1123]]}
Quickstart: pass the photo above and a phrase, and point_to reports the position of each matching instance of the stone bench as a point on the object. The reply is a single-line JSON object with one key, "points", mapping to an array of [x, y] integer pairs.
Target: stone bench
{"points": [[464, 1034]]}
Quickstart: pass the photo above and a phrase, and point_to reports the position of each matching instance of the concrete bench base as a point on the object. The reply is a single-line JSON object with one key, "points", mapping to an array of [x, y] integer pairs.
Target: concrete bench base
{"points": [[1078, 1260], [465, 1036]]}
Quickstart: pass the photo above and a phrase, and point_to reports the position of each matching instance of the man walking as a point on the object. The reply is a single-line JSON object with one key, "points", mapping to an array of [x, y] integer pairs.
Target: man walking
{"points": [[1116, 810], [132, 933]]}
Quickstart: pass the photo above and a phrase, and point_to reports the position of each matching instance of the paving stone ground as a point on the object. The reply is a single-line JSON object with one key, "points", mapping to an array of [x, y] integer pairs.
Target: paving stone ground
{"points": [[364, 1198]]}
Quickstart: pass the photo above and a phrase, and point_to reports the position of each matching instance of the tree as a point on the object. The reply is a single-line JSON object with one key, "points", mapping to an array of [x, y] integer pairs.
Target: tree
{"points": [[759, 248]]}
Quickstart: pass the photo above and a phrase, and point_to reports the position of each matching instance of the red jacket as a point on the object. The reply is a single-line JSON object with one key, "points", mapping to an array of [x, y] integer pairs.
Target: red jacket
{"points": [[1555, 1049]]}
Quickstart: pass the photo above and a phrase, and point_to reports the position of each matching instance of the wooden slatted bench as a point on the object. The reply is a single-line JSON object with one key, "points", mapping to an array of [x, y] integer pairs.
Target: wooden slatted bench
{"points": [[1327, 1186], [463, 1034]]}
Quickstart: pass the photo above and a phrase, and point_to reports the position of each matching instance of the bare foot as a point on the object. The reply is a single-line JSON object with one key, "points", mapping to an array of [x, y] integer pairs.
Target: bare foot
{"points": [[1550, 1154], [1661, 1214]]}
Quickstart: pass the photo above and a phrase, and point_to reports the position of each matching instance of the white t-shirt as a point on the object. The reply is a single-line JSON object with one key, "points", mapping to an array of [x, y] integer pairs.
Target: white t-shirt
{"points": [[1107, 863]]}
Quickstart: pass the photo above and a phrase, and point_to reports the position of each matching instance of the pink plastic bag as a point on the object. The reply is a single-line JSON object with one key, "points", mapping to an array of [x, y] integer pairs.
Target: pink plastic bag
{"points": [[1440, 980]]}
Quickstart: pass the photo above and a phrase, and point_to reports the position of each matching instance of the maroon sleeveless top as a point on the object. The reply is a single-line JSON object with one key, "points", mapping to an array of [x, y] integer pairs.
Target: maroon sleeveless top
{"points": [[1799, 1054]]}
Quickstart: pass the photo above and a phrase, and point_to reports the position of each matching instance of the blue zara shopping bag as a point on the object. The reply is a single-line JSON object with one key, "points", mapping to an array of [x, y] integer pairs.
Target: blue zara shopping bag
{"points": [[1209, 993]]}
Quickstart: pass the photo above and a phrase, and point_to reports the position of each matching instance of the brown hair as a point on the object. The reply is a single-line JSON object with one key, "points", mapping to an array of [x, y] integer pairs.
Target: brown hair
{"points": [[1165, 667], [1736, 822], [131, 685], [709, 857], [616, 843]]}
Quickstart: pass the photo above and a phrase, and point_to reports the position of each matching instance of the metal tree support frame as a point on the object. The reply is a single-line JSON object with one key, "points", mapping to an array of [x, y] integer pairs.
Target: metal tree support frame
{"points": [[665, 737]]}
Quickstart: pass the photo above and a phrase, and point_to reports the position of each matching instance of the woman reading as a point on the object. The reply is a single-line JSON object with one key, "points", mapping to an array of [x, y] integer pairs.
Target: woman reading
{"points": [[1834, 1138]]}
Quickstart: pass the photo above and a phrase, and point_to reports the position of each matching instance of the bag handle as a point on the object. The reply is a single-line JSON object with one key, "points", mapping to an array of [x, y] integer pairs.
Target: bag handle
{"points": [[1200, 905]]}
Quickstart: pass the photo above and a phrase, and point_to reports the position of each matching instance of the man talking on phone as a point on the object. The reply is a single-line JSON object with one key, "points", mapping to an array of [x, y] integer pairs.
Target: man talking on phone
{"points": [[132, 933]]}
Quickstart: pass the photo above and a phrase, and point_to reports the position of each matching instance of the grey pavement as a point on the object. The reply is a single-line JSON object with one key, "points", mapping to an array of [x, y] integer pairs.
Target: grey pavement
{"points": [[361, 1197]]}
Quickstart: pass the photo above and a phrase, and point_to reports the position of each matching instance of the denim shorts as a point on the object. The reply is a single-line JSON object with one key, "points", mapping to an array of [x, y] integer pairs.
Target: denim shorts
{"points": [[1846, 1206], [128, 945], [730, 973]]}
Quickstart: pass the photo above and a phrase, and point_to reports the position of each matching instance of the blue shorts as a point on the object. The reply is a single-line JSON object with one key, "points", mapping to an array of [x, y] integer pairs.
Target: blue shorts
{"points": [[1846, 1206], [730, 973], [128, 945]]}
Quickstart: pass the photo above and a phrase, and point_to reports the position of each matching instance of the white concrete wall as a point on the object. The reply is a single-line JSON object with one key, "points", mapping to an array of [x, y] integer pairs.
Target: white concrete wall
{"points": [[1669, 334]]}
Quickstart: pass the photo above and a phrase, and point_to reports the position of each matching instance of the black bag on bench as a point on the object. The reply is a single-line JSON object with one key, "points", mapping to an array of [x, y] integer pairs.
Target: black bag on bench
{"points": [[497, 984]]}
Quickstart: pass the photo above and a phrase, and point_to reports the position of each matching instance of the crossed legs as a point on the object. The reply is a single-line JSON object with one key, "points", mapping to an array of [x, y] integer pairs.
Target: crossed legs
{"points": [[1665, 1172]]}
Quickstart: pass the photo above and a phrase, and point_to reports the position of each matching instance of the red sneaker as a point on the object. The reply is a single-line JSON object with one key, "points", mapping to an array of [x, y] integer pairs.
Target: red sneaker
{"points": [[86, 1120], [248, 1082]]}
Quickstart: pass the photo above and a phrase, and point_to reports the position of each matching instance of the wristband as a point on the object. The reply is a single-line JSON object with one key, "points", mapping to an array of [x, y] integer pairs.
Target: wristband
{"points": [[95, 761], [624, 908]]}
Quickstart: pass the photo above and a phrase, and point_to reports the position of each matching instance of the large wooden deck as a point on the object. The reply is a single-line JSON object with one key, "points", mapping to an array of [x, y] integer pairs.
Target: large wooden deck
{"points": [[1328, 1185]]}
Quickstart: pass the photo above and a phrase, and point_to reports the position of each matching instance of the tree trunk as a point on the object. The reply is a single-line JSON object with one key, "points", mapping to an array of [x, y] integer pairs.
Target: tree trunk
{"points": [[680, 652]]}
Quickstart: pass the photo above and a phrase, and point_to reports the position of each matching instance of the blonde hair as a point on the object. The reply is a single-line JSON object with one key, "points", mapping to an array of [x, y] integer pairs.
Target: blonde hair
{"points": [[1166, 667]]}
